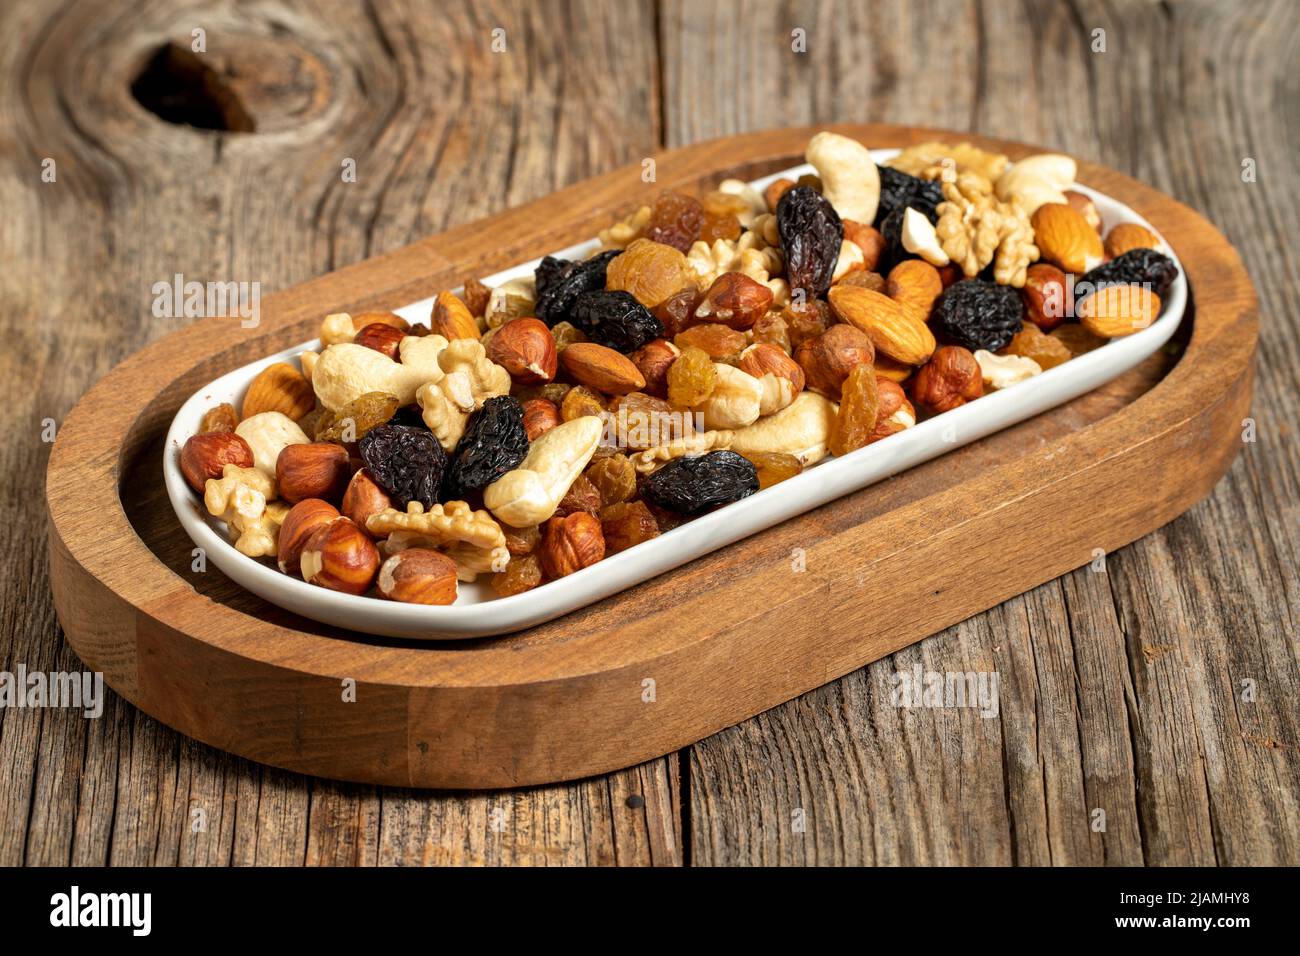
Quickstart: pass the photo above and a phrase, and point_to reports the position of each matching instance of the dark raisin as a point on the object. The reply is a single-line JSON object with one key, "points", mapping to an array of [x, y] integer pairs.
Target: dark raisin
{"points": [[558, 287], [693, 485], [811, 233], [898, 190], [979, 315], [409, 415], [494, 442], [1137, 266], [408, 463], [891, 228], [616, 320]]}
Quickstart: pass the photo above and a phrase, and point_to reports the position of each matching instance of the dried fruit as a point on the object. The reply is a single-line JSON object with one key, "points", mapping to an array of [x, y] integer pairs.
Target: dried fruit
{"points": [[856, 420], [811, 233], [218, 418], [692, 378], [565, 334], [641, 421], [601, 368], [521, 574], [206, 456], [773, 467], [649, 270], [407, 463], [1033, 343], [978, 314], [579, 402], [1118, 310], [807, 321], [614, 477], [717, 341], [828, 359], [494, 442], [1135, 267], [675, 312], [540, 416], [951, 378], [1077, 339], [560, 283], [675, 220], [898, 190], [521, 541], [625, 524], [476, 296], [570, 544], [1047, 296], [357, 418], [526, 349], [735, 300], [717, 227], [867, 280], [581, 496], [616, 320], [694, 485]]}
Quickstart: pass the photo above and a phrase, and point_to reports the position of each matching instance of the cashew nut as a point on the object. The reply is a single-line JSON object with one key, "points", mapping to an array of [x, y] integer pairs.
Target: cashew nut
{"points": [[801, 429], [511, 300], [757, 204], [268, 432], [347, 371], [531, 493], [736, 401], [919, 237], [851, 257], [850, 179], [1036, 180]]}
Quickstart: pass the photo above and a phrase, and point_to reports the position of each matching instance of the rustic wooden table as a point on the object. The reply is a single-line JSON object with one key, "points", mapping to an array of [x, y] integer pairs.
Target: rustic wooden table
{"points": [[1162, 691]]}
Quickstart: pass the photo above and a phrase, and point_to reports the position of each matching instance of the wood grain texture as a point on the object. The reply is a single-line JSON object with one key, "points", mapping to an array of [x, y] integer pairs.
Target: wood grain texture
{"points": [[1185, 91]]}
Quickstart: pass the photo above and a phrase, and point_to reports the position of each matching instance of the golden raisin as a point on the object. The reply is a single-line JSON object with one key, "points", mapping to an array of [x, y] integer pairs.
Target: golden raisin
{"points": [[717, 341], [476, 297], [692, 378], [808, 321], [521, 541], [219, 418], [625, 524], [1032, 342], [1076, 338], [868, 280], [857, 415], [718, 203], [351, 422], [719, 227], [566, 334], [773, 467], [521, 574], [580, 401], [650, 271], [581, 496], [614, 477], [640, 421], [675, 220]]}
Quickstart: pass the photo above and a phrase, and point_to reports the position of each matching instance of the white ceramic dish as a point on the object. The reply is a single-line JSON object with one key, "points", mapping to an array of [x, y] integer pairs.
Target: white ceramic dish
{"points": [[479, 612]]}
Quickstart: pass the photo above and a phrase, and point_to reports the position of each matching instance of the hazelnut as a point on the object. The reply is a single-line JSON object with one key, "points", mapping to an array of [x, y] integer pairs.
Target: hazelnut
{"points": [[364, 498], [315, 470], [893, 411], [339, 556], [951, 378], [734, 300], [653, 361], [774, 191], [381, 337], [540, 416], [1085, 205], [452, 318], [526, 349], [570, 544], [1047, 296], [300, 524], [204, 456], [418, 576], [828, 358], [868, 239], [762, 358]]}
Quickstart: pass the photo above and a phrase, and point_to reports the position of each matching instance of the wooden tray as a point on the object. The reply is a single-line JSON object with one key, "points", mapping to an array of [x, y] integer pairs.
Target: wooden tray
{"points": [[673, 660]]}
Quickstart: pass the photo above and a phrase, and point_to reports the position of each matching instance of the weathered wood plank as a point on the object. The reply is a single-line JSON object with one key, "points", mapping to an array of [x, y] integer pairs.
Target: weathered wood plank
{"points": [[1120, 691]]}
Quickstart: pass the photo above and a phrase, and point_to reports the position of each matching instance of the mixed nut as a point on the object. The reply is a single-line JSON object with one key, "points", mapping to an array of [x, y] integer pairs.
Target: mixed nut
{"points": [[716, 345]]}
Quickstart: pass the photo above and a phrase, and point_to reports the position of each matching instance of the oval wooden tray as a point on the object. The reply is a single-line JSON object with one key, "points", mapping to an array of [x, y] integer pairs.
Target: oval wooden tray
{"points": [[679, 657]]}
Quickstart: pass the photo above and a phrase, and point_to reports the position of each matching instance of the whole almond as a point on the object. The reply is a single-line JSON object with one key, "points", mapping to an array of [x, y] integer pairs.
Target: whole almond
{"points": [[452, 318], [1128, 236], [1118, 310], [601, 368], [1065, 238], [279, 388], [916, 283], [895, 329]]}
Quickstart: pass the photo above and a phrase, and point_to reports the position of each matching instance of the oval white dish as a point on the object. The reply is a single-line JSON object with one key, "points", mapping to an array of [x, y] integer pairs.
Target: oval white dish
{"points": [[479, 612]]}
